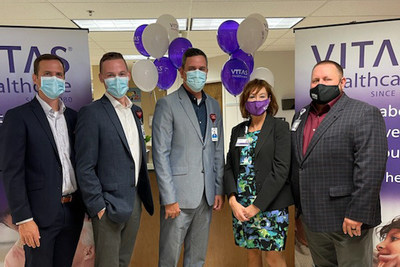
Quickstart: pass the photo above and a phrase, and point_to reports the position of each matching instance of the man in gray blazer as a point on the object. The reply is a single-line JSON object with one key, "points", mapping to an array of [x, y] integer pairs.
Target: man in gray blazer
{"points": [[111, 165], [338, 163], [188, 160]]}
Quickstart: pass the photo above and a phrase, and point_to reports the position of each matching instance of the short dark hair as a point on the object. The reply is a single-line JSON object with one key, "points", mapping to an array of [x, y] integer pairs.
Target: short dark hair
{"points": [[191, 52], [257, 85], [384, 230], [337, 65], [45, 57], [111, 56]]}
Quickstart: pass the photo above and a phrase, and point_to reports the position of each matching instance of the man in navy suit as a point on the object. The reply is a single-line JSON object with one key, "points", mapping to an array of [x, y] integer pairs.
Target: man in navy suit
{"points": [[111, 165], [38, 170], [339, 152]]}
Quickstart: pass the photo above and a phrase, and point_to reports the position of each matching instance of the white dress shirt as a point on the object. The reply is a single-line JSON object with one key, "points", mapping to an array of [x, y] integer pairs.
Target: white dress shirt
{"points": [[131, 132]]}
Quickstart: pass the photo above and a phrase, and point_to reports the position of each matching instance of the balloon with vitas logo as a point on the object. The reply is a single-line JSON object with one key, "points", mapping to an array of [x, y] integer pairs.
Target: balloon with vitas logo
{"points": [[166, 73]]}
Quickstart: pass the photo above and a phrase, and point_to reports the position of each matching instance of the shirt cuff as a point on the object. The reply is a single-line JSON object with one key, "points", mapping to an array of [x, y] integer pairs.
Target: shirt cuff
{"points": [[24, 221]]}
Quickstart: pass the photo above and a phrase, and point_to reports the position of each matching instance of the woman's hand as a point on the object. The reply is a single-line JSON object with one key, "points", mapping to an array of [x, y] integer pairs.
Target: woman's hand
{"points": [[251, 211], [237, 209]]}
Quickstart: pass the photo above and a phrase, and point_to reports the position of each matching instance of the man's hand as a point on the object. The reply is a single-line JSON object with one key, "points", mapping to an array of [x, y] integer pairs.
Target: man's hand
{"points": [[219, 202], [251, 211], [172, 210], [237, 209], [351, 228], [29, 234], [101, 213]]}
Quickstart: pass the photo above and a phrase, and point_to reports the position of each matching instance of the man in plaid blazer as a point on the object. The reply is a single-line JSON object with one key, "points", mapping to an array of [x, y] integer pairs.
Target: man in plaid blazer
{"points": [[339, 153]]}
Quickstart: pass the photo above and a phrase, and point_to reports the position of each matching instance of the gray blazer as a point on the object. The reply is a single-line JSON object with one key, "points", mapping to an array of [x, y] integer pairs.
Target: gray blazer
{"points": [[185, 165], [104, 164], [341, 173]]}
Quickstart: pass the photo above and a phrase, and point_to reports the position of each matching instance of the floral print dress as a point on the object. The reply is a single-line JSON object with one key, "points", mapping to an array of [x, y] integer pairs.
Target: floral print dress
{"points": [[267, 230]]}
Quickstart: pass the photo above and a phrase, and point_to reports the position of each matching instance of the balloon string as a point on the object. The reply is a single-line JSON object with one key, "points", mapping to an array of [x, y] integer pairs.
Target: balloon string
{"points": [[155, 97]]}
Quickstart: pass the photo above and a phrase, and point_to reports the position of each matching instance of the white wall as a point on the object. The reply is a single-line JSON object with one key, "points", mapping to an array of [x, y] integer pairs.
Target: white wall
{"points": [[282, 66]]}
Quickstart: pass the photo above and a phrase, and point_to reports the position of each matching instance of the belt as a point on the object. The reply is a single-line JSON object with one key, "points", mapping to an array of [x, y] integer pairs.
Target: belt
{"points": [[66, 199]]}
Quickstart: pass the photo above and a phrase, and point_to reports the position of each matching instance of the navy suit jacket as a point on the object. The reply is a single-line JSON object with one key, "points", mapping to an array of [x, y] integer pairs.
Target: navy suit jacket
{"points": [[31, 166], [271, 164], [341, 173], [105, 166]]}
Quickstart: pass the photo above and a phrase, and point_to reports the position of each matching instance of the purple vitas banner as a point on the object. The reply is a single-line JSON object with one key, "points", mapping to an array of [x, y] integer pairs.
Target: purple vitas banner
{"points": [[369, 54], [19, 47]]}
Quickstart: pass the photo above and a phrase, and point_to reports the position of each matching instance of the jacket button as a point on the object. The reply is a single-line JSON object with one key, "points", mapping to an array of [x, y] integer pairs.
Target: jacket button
{"points": [[202, 171]]}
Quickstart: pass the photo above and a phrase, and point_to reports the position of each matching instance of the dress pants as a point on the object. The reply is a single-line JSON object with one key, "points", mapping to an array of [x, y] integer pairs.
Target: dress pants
{"points": [[114, 242], [191, 227], [337, 249], [58, 242]]}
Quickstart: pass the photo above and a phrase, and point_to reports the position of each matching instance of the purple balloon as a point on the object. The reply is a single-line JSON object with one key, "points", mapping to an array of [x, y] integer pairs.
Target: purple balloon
{"points": [[226, 36], [166, 73], [176, 50], [137, 40], [234, 75], [247, 58]]}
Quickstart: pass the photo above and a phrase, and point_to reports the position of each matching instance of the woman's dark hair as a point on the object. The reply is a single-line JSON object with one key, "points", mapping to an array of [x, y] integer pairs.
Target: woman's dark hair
{"points": [[384, 230]]}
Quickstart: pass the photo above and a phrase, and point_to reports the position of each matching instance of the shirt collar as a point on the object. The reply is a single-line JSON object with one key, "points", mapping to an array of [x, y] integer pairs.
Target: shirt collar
{"points": [[327, 106], [116, 103], [193, 99], [46, 107]]}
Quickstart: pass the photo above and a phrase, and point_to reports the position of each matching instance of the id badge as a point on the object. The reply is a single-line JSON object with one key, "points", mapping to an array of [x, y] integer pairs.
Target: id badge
{"points": [[295, 125], [214, 134], [242, 141]]}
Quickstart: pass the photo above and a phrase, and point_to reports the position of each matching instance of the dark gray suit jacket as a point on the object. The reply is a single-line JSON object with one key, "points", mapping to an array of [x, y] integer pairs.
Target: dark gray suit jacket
{"points": [[271, 164], [31, 166], [104, 164], [341, 173]]}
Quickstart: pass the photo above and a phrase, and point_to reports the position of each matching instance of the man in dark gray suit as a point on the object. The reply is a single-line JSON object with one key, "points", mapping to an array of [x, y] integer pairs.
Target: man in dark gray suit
{"points": [[338, 163], [111, 165], [188, 156]]}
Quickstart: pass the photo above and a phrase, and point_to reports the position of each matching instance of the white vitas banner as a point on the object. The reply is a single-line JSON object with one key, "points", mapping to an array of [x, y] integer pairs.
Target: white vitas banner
{"points": [[20, 46], [369, 54]]}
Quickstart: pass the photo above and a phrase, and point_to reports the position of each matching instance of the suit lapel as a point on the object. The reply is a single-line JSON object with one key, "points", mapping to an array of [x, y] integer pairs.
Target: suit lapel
{"points": [[139, 128], [71, 138], [189, 111], [300, 131], [330, 118], [265, 133], [44, 123], [237, 149], [112, 114]]}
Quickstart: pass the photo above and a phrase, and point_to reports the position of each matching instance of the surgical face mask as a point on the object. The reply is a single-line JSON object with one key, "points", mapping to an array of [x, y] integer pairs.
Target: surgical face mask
{"points": [[322, 94], [196, 79], [117, 86], [52, 86], [257, 108]]}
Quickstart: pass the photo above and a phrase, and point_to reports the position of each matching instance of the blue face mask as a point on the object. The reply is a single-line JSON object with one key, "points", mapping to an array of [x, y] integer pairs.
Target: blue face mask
{"points": [[52, 87], [196, 79], [117, 86]]}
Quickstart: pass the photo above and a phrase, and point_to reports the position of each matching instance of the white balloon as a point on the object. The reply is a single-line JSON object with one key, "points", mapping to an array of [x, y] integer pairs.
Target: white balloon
{"points": [[145, 75], [263, 74], [170, 24], [155, 40], [250, 35], [261, 19]]}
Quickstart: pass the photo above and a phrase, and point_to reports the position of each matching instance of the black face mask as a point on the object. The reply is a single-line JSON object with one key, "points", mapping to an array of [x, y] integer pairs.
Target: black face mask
{"points": [[322, 94]]}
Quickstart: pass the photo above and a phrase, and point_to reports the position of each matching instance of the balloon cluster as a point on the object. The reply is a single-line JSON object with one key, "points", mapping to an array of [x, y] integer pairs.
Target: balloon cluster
{"points": [[154, 40], [240, 42]]}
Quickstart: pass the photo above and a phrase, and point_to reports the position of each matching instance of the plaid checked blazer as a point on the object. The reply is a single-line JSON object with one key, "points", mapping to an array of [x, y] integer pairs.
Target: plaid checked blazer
{"points": [[341, 173]]}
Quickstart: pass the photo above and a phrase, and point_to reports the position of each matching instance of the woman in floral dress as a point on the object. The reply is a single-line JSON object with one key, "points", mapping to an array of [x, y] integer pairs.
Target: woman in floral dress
{"points": [[256, 177]]}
